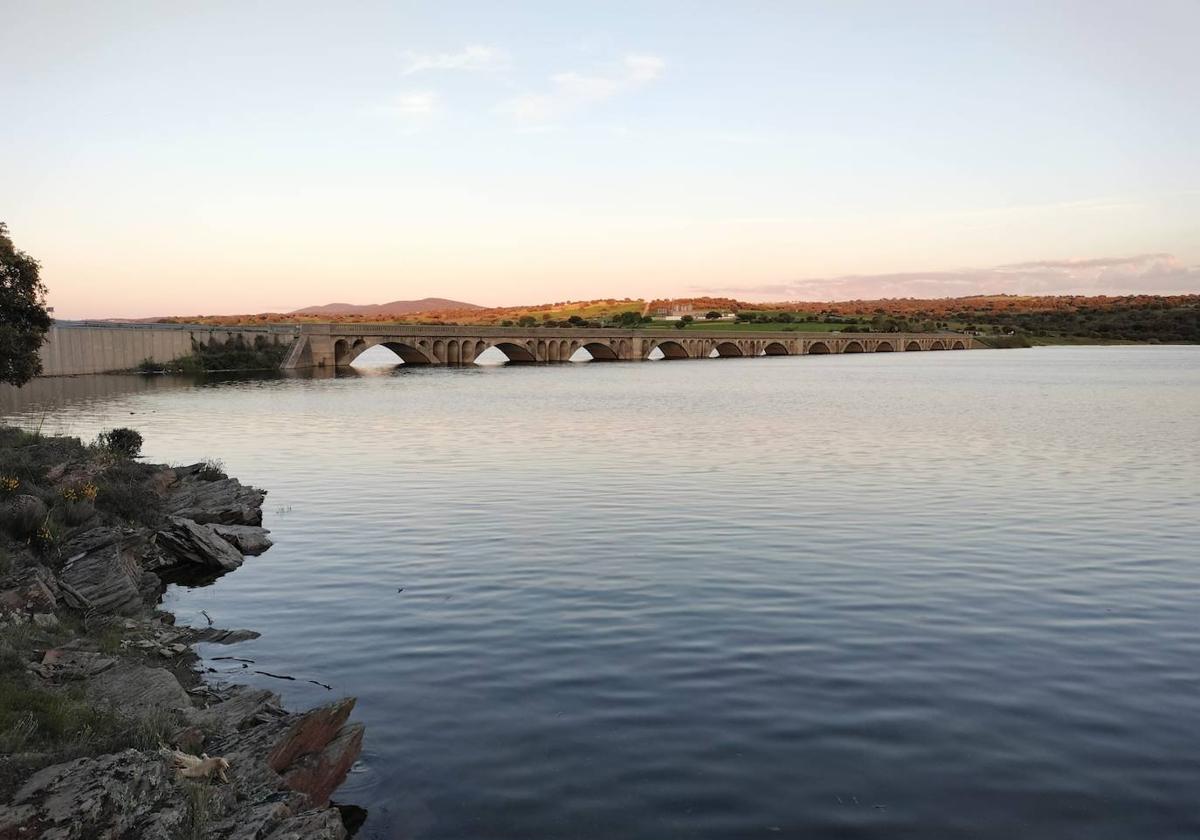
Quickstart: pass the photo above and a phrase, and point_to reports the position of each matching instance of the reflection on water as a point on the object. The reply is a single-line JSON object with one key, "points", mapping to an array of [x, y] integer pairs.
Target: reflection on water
{"points": [[899, 595]]}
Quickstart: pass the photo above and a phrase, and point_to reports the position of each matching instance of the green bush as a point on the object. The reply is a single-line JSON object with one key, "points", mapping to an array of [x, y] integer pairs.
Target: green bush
{"points": [[126, 443]]}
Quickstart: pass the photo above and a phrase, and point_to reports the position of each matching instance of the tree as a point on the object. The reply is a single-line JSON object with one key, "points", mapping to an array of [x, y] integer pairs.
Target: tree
{"points": [[526, 321], [23, 316], [575, 321], [713, 315], [687, 319]]}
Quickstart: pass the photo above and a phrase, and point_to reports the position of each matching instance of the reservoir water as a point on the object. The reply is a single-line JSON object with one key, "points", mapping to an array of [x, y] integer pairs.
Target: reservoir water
{"points": [[908, 595]]}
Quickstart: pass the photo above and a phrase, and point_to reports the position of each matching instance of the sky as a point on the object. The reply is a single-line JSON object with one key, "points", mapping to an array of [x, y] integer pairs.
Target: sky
{"points": [[235, 157]]}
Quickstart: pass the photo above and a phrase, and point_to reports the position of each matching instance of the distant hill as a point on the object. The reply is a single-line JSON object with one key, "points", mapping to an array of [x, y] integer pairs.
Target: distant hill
{"points": [[395, 307]]}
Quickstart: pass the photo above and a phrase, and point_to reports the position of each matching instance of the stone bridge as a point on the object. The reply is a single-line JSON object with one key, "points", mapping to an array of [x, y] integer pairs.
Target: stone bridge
{"points": [[334, 345]]}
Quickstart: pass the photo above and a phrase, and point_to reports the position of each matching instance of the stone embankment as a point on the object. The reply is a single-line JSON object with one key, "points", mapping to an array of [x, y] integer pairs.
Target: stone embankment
{"points": [[165, 754]]}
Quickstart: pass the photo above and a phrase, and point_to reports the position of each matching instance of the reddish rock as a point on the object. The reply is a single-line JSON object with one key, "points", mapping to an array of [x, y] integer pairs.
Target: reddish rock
{"points": [[318, 775], [310, 734], [318, 751]]}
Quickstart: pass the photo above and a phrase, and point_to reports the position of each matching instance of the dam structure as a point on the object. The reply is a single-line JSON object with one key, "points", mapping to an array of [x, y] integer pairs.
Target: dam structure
{"points": [[337, 345], [83, 347], [80, 347]]}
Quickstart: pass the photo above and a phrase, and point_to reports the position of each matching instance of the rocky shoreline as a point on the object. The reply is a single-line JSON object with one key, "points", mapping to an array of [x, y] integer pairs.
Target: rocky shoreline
{"points": [[108, 728]]}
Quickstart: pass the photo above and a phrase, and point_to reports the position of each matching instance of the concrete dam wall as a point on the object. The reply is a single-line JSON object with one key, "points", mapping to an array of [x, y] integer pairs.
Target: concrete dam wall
{"points": [[75, 347]]}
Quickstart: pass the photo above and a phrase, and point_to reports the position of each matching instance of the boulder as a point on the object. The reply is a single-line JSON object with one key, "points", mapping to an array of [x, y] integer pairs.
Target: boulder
{"points": [[318, 774], [313, 825], [225, 501], [137, 690], [108, 579], [22, 515], [66, 663], [318, 750], [33, 589], [115, 795], [190, 542], [248, 539]]}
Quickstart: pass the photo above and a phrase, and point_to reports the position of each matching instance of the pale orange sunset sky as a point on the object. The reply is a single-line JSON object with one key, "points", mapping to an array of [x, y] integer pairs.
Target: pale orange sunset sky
{"points": [[230, 157]]}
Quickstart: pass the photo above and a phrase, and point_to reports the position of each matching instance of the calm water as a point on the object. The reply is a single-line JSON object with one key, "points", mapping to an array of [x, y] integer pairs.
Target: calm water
{"points": [[906, 595]]}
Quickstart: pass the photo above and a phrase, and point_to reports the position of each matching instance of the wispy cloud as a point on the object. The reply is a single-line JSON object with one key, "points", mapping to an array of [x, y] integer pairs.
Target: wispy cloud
{"points": [[413, 109], [571, 91], [472, 57], [1141, 274]]}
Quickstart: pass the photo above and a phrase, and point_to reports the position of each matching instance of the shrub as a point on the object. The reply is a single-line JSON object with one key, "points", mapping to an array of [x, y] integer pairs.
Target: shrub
{"points": [[124, 493], [126, 443], [44, 540], [22, 515], [211, 469], [199, 807]]}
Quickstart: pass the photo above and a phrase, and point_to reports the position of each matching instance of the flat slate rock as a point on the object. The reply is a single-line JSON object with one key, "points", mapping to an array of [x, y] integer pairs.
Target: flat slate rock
{"points": [[137, 689], [248, 539], [190, 542]]}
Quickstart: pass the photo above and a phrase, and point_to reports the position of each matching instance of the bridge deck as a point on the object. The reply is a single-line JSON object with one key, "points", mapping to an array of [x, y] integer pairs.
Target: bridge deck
{"points": [[324, 345]]}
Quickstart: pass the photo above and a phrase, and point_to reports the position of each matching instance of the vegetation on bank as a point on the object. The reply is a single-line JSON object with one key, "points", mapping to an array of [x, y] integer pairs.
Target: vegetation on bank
{"points": [[51, 486], [24, 319], [1068, 319], [50, 489], [46, 726], [232, 354]]}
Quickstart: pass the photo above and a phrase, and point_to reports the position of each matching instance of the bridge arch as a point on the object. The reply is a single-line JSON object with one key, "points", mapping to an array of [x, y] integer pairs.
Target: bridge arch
{"points": [[726, 349], [515, 352], [937, 345], [912, 345], [600, 352], [775, 348], [958, 345], [670, 350], [345, 352], [411, 355], [818, 348], [884, 347], [853, 347]]}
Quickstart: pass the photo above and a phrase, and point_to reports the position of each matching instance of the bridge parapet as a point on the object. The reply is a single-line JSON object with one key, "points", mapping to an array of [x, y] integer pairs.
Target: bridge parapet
{"points": [[333, 345]]}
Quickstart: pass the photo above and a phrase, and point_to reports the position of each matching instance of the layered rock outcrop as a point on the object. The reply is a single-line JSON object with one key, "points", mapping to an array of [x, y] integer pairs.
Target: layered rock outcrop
{"points": [[95, 596]]}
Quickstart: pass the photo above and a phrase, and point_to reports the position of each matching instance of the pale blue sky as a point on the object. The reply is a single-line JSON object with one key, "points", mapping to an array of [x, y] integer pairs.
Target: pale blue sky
{"points": [[235, 157]]}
